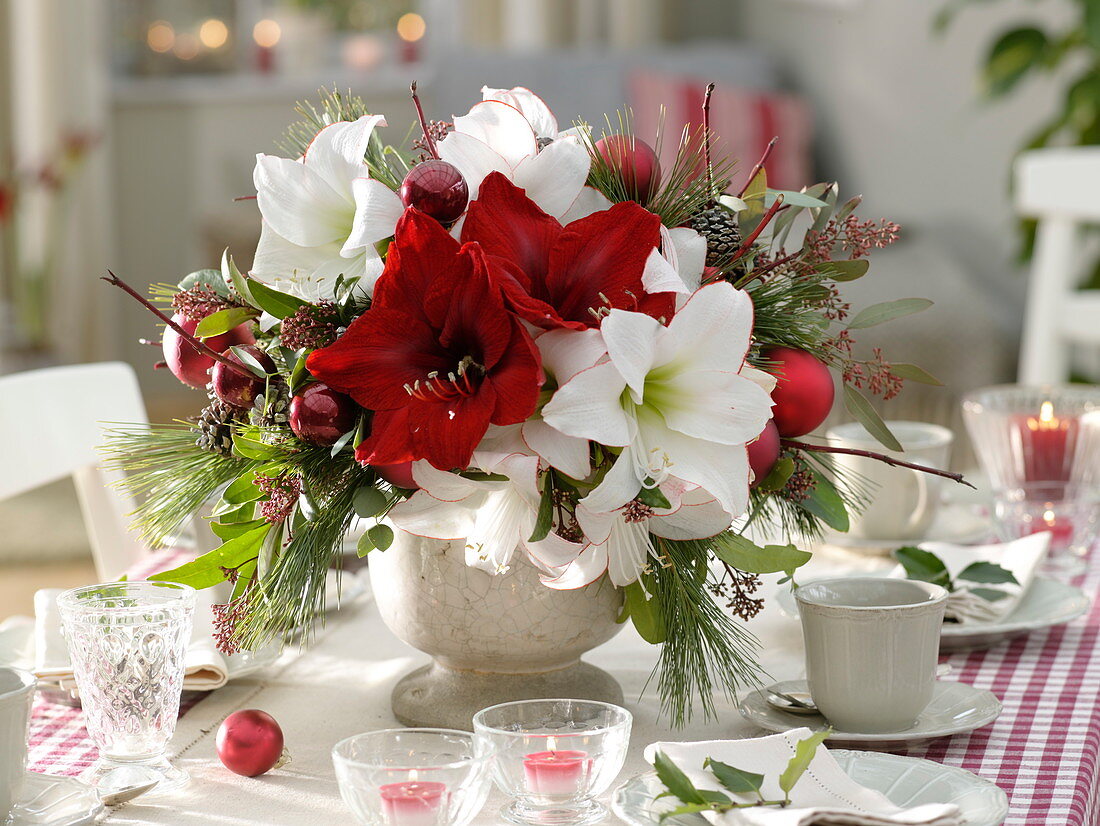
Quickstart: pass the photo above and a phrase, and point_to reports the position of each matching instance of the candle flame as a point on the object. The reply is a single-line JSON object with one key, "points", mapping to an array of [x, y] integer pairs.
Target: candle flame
{"points": [[1046, 412], [1048, 517], [413, 775], [551, 743]]}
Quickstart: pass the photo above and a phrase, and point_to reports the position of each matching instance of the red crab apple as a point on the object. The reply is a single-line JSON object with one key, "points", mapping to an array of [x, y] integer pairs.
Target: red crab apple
{"points": [[803, 393], [764, 453], [399, 475], [436, 188], [188, 364], [235, 388], [320, 415], [250, 742], [636, 163]]}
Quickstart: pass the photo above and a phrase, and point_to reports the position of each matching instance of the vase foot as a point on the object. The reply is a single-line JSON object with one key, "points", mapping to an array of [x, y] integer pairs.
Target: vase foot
{"points": [[439, 697]]}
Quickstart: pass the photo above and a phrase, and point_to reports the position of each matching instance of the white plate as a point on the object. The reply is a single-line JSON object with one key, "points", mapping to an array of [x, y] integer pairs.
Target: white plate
{"points": [[955, 708], [906, 781], [959, 524], [55, 801], [1047, 603]]}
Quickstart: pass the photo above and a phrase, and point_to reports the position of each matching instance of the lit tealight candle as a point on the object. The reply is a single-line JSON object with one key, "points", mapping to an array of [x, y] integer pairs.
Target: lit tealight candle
{"points": [[556, 772], [413, 802], [1046, 440]]}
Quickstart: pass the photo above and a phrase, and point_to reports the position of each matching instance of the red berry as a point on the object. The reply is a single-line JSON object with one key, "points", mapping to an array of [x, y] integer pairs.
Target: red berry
{"points": [[233, 387], [764, 453], [436, 188], [399, 475], [803, 393], [636, 163], [188, 364], [320, 415], [250, 742]]}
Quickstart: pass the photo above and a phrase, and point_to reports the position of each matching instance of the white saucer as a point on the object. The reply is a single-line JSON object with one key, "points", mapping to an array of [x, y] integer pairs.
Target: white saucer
{"points": [[1047, 603], [906, 781], [55, 801], [959, 524], [955, 708]]}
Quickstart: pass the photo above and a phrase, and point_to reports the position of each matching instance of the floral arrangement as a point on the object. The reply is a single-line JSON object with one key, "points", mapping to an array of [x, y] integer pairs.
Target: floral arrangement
{"points": [[531, 339]]}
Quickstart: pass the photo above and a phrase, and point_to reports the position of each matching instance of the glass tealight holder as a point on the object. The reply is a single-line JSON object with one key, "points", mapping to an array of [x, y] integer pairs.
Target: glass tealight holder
{"points": [[1068, 510], [413, 777], [128, 643], [554, 757]]}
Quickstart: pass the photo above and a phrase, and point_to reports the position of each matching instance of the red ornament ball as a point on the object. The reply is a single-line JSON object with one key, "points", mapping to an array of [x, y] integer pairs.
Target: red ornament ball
{"points": [[320, 415], [185, 362], [250, 742], [803, 392], [436, 188], [235, 388], [399, 475], [636, 163], [764, 453]]}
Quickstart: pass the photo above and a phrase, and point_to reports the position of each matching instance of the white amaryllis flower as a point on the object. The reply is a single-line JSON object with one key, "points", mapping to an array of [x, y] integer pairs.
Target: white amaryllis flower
{"points": [[618, 542], [675, 398], [496, 136], [318, 212]]}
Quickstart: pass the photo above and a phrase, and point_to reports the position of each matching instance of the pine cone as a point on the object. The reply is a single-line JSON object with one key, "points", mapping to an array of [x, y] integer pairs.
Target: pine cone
{"points": [[271, 410], [719, 227], [215, 425]]}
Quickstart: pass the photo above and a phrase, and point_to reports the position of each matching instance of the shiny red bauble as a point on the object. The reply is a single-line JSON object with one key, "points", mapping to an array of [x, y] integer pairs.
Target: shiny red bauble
{"points": [[764, 453], [250, 742], [188, 364], [636, 163], [803, 392], [319, 415], [235, 388], [436, 188], [400, 475]]}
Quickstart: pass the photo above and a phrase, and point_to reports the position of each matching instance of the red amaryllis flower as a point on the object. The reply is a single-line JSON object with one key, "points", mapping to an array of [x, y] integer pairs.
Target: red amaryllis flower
{"points": [[438, 356], [556, 276]]}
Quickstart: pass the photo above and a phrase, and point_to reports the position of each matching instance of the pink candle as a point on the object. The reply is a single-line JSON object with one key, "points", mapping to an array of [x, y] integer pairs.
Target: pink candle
{"points": [[556, 772], [412, 803], [1047, 444]]}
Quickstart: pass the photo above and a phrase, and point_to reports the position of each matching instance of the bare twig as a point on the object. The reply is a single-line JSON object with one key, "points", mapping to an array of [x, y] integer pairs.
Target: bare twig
{"points": [[746, 245], [428, 142], [706, 141], [759, 164], [869, 454]]}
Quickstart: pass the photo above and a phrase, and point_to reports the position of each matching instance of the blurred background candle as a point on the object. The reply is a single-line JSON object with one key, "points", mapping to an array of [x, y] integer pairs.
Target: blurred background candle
{"points": [[555, 772], [413, 802], [1047, 443]]}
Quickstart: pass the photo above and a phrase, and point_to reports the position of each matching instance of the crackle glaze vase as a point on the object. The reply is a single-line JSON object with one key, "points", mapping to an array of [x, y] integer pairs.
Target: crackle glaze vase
{"points": [[492, 638]]}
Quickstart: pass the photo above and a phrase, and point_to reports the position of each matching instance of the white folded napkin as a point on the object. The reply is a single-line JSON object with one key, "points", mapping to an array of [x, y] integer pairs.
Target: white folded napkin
{"points": [[823, 796], [1022, 557], [206, 668]]}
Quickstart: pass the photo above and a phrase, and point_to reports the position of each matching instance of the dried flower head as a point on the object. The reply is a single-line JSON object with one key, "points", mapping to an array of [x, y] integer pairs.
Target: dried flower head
{"points": [[199, 302], [283, 491], [311, 326], [227, 618]]}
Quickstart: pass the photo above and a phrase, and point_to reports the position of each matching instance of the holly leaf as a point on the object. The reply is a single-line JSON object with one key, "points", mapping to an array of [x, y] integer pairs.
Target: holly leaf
{"points": [[224, 320], [736, 780], [677, 783], [804, 753], [646, 613], [887, 311], [858, 405], [923, 566], [272, 301], [988, 573], [207, 570], [745, 555]]}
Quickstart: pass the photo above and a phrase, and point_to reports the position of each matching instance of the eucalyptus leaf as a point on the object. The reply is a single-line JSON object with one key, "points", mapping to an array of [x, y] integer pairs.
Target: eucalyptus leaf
{"points": [[381, 536], [249, 361], [342, 442], [742, 553], [205, 278], [850, 206], [645, 613], [987, 573], [676, 781], [368, 501], [736, 780], [825, 503], [923, 566], [823, 214], [223, 321], [912, 372], [364, 545], [858, 405], [232, 277], [846, 270], [799, 199], [804, 753], [279, 304], [887, 311], [207, 570]]}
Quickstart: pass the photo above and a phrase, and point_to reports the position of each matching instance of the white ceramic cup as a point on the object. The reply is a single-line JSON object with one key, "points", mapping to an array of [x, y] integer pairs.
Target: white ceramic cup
{"points": [[16, 693], [872, 646], [902, 503]]}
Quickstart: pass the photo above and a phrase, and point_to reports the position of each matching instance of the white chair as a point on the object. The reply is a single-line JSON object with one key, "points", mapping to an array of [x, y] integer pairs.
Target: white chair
{"points": [[1061, 189], [50, 428]]}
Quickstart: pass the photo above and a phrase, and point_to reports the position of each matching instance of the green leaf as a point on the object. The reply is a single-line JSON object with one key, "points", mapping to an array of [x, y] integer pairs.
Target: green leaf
{"points": [[778, 476], [242, 490], [223, 321], [342, 442], [544, 520], [299, 375], [652, 496], [923, 566], [736, 780], [252, 448], [686, 809], [244, 576], [249, 361], [381, 536], [1013, 55], [803, 755], [745, 555], [206, 571], [232, 530], [364, 546], [794, 199], [988, 573], [914, 373], [369, 501], [858, 405], [887, 311], [850, 206], [823, 214], [274, 302], [232, 277], [205, 278], [989, 594], [645, 613], [676, 781], [825, 503], [848, 270]]}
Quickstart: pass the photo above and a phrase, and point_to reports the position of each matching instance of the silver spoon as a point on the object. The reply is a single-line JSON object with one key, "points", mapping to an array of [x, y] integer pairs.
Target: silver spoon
{"points": [[123, 795], [798, 703]]}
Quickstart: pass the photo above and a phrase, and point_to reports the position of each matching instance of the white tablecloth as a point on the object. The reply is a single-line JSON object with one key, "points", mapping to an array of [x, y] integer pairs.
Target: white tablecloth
{"points": [[341, 686]]}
